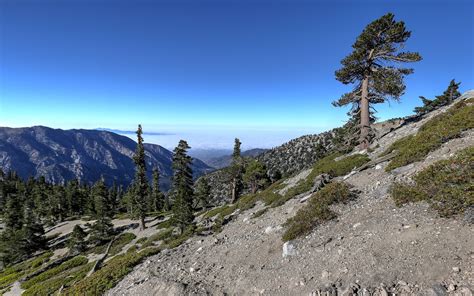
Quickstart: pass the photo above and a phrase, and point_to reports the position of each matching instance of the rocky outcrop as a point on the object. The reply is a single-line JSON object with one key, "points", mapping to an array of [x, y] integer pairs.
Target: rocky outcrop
{"points": [[61, 155]]}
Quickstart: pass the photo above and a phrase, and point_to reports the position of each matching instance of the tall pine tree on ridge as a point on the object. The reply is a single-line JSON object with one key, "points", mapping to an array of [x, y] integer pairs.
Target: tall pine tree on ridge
{"points": [[182, 187], [371, 68], [140, 184]]}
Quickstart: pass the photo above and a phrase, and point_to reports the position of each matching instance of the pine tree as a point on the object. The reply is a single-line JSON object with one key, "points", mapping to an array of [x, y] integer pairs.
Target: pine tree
{"points": [[102, 229], [370, 67], [182, 187], [141, 183], [32, 231], [77, 243], [255, 175], [157, 199], [236, 170], [448, 96], [202, 192]]}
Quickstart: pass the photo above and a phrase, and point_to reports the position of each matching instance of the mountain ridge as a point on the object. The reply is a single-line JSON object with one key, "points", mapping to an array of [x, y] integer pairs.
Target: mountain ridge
{"points": [[61, 155]]}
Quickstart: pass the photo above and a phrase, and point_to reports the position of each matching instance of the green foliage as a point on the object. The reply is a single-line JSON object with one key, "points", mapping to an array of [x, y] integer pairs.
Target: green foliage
{"points": [[166, 233], [119, 266], [71, 263], [140, 184], [235, 172], [260, 213], [202, 193], [120, 242], [182, 187], [157, 198], [102, 229], [165, 224], [17, 271], [447, 185], [66, 278], [317, 210], [373, 68], [77, 242], [448, 96], [255, 175], [328, 165], [432, 135]]}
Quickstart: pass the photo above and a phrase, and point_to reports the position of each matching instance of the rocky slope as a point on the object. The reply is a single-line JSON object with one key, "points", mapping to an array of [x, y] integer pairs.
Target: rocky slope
{"points": [[372, 248], [61, 155]]}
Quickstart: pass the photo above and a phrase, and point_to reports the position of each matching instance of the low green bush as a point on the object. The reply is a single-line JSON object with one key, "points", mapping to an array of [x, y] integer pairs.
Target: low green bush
{"points": [[447, 185], [71, 263], [115, 269], [17, 271], [120, 242], [165, 224], [259, 213], [66, 278], [328, 165], [317, 210], [157, 237], [432, 135]]}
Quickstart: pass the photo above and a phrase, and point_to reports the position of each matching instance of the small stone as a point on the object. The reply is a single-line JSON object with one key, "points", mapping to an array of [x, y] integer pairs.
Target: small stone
{"points": [[289, 249], [325, 275], [436, 290], [356, 225], [378, 167], [451, 288], [469, 215], [456, 269], [199, 250]]}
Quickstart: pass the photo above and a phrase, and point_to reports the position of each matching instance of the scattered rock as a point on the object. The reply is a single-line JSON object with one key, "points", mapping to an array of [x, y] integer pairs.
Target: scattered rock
{"points": [[469, 215], [289, 249]]}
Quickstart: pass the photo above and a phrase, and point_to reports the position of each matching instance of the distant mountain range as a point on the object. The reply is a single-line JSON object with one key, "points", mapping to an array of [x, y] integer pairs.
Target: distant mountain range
{"points": [[61, 155], [225, 160]]}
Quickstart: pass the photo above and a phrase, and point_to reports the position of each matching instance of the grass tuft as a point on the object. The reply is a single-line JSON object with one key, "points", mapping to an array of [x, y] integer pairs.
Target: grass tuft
{"points": [[432, 135], [317, 210], [448, 185]]}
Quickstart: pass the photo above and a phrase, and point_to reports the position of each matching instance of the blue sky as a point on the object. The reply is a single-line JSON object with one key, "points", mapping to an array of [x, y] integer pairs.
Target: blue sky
{"points": [[207, 71]]}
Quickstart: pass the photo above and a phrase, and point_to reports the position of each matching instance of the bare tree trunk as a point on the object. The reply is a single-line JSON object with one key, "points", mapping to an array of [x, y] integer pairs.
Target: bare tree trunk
{"points": [[234, 190], [142, 223], [364, 115]]}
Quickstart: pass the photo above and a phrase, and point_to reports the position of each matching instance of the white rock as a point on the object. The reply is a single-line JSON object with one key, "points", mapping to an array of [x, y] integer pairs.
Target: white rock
{"points": [[268, 230], [289, 249], [199, 250], [456, 269], [303, 199], [356, 225], [378, 167]]}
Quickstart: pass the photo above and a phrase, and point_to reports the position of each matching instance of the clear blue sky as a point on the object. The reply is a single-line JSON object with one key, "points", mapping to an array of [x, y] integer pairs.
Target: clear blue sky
{"points": [[203, 68]]}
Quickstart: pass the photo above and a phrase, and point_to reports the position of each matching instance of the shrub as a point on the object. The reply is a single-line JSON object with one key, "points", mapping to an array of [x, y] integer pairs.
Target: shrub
{"points": [[447, 185], [120, 242], [115, 269], [328, 165], [68, 277], [432, 135], [17, 271], [157, 237], [71, 263], [317, 210], [165, 224]]}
